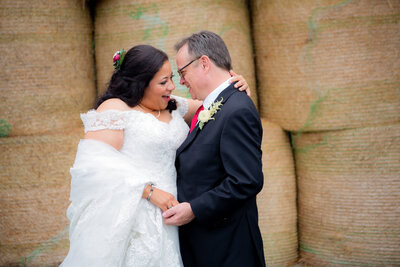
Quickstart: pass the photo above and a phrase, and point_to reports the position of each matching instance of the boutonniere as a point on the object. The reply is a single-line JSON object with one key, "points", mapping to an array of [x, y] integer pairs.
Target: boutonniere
{"points": [[208, 114]]}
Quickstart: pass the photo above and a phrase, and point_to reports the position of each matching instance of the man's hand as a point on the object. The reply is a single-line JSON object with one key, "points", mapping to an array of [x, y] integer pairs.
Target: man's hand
{"points": [[179, 215]]}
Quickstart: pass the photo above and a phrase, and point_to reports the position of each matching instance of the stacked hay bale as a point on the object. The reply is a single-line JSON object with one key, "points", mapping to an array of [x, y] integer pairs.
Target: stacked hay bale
{"points": [[326, 66], [277, 201], [349, 196], [124, 24], [328, 71], [48, 79], [47, 59], [34, 197]]}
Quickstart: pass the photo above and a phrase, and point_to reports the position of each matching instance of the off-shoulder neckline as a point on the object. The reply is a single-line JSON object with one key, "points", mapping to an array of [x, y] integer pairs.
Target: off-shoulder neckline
{"points": [[132, 110]]}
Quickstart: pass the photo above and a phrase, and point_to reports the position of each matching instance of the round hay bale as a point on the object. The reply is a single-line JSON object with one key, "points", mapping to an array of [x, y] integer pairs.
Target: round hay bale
{"points": [[328, 65], [277, 200], [126, 23], [34, 193], [48, 69], [34, 226], [349, 196], [37, 161]]}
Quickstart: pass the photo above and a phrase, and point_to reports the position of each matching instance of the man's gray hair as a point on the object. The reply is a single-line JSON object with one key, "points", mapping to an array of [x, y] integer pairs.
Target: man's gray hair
{"points": [[209, 44]]}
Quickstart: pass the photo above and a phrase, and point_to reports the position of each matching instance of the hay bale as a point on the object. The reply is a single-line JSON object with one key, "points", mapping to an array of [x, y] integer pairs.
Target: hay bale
{"points": [[34, 226], [124, 24], [34, 193], [327, 65], [37, 161], [277, 201], [349, 196], [48, 70]]}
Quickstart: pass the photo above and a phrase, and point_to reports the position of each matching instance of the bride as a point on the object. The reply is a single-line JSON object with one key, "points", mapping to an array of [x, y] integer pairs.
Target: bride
{"points": [[124, 175]]}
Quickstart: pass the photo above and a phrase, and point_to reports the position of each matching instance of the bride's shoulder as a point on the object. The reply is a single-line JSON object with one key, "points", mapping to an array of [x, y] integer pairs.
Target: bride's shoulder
{"points": [[113, 104]]}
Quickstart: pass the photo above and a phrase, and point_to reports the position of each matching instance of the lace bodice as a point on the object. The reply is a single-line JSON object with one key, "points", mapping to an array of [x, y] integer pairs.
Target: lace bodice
{"points": [[147, 155], [147, 141]]}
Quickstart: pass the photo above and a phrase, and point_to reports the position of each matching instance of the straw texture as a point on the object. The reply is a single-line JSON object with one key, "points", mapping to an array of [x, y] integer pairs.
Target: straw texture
{"points": [[47, 74], [277, 201], [34, 226], [37, 161], [349, 196], [34, 193], [126, 23], [328, 65]]}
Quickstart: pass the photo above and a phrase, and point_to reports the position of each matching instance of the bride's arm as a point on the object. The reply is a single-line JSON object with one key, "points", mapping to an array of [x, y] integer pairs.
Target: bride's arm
{"points": [[241, 84], [193, 105], [160, 198], [114, 138]]}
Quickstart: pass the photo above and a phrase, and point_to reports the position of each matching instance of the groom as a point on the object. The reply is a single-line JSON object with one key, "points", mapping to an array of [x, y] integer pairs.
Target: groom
{"points": [[219, 164]]}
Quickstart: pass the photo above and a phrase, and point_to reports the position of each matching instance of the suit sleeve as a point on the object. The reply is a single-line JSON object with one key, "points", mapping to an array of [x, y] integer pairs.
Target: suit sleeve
{"points": [[240, 151]]}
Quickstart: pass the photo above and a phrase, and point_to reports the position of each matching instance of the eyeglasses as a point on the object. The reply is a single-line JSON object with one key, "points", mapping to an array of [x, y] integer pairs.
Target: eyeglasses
{"points": [[180, 70]]}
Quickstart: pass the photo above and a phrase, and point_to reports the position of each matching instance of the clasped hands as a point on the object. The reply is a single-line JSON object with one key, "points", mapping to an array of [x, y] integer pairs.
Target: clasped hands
{"points": [[174, 213]]}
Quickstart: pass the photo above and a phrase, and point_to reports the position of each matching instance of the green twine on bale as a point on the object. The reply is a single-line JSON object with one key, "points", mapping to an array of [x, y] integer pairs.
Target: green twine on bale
{"points": [[5, 128]]}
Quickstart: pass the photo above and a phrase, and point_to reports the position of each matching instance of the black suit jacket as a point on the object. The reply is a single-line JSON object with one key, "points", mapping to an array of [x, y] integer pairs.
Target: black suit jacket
{"points": [[220, 173]]}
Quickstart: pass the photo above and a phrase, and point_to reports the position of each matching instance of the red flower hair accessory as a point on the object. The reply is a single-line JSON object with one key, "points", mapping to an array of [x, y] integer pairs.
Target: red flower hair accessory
{"points": [[118, 58]]}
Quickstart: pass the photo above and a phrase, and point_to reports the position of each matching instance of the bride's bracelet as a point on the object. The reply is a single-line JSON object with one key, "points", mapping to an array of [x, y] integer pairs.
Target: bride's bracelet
{"points": [[151, 192]]}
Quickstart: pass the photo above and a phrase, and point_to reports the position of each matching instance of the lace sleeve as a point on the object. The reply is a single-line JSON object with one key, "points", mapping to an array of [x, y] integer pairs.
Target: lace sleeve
{"points": [[109, 119], [183, 105]]}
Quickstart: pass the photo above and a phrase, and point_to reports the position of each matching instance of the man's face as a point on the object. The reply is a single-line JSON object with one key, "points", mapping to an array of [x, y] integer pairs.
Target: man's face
{"points": [[189, 72]]}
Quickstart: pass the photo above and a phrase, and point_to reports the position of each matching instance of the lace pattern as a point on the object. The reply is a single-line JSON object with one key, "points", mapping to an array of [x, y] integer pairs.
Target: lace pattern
{"points": [[109, 119]]}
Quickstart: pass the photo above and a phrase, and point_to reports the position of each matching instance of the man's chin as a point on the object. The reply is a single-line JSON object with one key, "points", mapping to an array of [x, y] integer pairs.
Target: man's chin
{"points": [[192, 95]]}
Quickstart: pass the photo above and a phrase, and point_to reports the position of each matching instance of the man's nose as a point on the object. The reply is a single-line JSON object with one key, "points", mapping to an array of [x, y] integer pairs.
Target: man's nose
{"points": [[182, 81]]}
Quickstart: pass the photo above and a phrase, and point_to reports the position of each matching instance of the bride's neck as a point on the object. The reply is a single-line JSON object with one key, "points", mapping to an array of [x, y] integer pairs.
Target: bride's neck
{"points": [[155, 112], [147, 109]]}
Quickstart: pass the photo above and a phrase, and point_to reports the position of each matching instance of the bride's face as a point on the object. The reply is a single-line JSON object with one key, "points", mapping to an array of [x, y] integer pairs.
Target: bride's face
{"points": [[157, 94]]}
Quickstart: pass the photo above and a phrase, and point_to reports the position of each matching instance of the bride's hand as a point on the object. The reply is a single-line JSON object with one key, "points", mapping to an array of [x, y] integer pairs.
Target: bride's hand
{"points": [[160, 198], [241, 82]]}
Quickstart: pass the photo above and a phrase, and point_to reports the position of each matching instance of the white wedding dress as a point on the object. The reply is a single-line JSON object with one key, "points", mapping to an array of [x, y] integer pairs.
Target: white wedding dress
{"points": [[110, 223]]}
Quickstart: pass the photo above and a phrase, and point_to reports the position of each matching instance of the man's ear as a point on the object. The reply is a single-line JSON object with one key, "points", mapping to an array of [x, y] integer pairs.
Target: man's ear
{"points": [[205, 63]]}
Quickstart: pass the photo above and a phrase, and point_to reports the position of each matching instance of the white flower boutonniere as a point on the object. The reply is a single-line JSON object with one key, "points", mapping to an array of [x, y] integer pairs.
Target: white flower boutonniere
{"points": [[208, 114]]}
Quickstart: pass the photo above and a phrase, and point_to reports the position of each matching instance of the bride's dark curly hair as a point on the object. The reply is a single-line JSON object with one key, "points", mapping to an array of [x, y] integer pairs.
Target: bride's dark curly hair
{"points": [[138, 68]]}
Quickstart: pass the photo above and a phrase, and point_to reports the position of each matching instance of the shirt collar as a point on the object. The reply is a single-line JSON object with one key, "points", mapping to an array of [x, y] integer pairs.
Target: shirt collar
{"points": [[214, 94]]}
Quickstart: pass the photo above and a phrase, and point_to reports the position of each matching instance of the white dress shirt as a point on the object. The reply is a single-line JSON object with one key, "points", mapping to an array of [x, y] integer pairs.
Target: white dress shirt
{"points": [[214, 94]]}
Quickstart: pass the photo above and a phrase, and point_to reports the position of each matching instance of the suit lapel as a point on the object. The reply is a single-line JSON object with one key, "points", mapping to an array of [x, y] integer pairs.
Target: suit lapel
{"points": [[225, 95], [188, 139]]}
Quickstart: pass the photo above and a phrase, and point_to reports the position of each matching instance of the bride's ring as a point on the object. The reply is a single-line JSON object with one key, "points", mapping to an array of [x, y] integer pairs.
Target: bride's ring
{"points": [[170, 207]]}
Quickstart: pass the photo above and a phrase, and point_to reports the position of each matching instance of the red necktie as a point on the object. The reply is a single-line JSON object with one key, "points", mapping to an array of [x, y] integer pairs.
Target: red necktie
{"points": [[195, 117]]}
